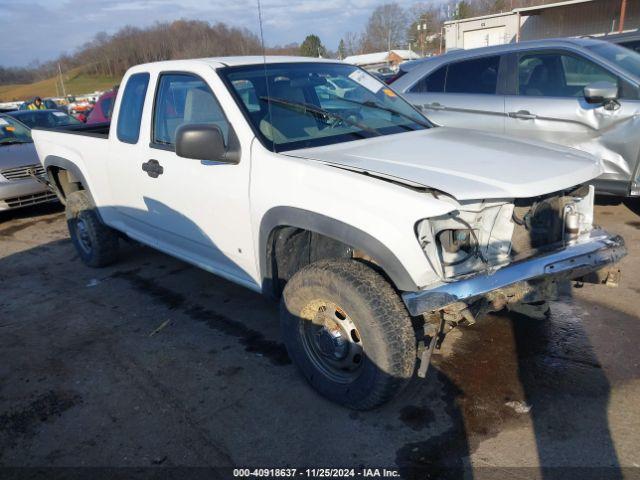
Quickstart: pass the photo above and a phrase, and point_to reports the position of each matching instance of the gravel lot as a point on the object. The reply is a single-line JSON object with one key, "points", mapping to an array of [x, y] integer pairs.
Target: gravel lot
{"points": [[154, 362]]}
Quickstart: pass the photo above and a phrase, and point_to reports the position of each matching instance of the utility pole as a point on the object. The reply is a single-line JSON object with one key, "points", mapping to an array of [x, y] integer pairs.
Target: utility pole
{"points": [[623, 13], [422, 27], [64, 92]]}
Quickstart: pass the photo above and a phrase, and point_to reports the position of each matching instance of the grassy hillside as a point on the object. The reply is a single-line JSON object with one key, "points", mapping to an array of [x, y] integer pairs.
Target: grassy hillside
{"points": [[75, 83]]}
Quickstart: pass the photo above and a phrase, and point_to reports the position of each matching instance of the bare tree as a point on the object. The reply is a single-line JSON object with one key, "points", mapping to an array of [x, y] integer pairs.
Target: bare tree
{"points": [[386, 28], [352, 43]]}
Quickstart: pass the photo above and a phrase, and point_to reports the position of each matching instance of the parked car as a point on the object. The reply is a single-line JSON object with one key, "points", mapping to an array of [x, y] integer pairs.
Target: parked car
{"points": [[361, 215], [81, 117], [628, 39], [44, 118], [582, 93], [79, 106], [18, 159], [103, 108], [386, 74]]}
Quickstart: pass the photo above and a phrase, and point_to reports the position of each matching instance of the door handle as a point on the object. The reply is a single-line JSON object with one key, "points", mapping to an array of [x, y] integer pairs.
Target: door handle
{"points": [[153, 168], [523, 114], [434, 106]]}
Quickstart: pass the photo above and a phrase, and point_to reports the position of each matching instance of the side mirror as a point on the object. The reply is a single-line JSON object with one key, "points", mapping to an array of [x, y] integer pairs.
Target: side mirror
{"points": [[601, 92], [203, 141]]}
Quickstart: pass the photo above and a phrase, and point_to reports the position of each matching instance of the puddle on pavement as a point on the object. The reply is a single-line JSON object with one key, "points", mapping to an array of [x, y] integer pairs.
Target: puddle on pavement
{"points": [[504, 359]]}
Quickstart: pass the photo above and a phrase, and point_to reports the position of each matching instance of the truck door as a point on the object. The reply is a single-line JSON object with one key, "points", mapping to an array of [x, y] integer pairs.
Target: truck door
{"points": [[549, 105], [196, 210]]}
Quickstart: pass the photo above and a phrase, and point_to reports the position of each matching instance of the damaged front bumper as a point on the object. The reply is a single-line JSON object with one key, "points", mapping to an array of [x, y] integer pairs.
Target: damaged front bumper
{"points": [[583, 256]]}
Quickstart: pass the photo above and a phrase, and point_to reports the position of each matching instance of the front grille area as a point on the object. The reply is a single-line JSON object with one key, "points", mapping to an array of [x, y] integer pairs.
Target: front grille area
{"points": [[18, 173], [537, 224], [540, 221], [34, 199]]}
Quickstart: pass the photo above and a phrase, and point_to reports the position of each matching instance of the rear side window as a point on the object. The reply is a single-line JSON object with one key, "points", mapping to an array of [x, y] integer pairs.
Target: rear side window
{"points": [[432, 83], [130, 114], [479, 75], [184, 99]]}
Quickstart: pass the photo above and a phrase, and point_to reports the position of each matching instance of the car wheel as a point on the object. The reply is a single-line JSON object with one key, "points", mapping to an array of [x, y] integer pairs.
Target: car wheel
{"points": [[96, 244], [349, 333]]}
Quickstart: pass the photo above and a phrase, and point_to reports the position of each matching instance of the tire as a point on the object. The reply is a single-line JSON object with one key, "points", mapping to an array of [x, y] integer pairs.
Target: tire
{"points": [[362, 369], [96, 244]]}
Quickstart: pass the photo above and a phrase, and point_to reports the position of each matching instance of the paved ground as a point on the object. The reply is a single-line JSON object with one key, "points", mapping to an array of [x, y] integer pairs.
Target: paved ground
{"points": [[89, 377]]}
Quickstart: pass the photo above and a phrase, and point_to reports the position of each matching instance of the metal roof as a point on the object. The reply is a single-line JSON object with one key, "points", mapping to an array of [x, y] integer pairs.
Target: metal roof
{"points": [[566, 3], [521, 10]]}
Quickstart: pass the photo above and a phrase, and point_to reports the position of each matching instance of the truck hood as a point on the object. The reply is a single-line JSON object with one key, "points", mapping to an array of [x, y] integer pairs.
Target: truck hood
{"points": [[466, 164]]}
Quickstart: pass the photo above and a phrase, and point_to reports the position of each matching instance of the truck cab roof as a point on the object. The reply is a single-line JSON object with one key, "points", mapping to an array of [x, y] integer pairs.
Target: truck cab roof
{"points": [[218, 62]]}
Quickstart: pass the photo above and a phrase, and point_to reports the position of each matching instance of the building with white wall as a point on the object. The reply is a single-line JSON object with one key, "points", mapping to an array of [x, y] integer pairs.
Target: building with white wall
{"points": [[563, 19]]}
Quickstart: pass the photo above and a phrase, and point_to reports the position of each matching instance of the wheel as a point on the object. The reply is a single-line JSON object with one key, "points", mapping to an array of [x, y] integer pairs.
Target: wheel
{"points": [[96, 243], [349, 333]]}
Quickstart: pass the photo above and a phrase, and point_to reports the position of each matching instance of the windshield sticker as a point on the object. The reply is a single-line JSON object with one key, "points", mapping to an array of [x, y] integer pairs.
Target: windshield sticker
{"points": [[3, 122], [59, 114], [367, 81], [389, 93]]}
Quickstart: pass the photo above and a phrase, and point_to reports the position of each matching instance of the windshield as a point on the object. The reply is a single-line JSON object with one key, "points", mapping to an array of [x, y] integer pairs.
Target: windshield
{"points": [[623, 57], [12, 131], [45, 118], [297, 105]]}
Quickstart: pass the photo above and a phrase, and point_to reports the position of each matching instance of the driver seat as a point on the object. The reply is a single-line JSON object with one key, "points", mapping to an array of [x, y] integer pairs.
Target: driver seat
{"points": [[285, 124]]}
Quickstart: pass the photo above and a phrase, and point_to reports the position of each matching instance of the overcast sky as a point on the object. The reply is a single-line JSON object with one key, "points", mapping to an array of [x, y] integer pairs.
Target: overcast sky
{"points": [[43, 29]]}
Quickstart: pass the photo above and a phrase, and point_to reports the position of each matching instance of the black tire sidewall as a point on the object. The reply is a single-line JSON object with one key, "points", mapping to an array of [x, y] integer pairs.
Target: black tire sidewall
{"points": [[104, 240], [89, 219], [377, 369]]}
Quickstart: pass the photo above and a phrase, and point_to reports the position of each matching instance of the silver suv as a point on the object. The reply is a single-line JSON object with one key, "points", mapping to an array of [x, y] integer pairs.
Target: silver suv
{"points": [[583, 93]]}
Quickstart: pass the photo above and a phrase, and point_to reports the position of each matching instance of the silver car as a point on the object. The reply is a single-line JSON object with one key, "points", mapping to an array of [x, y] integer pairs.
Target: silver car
{"points": [[18, 160], [583, 93]]}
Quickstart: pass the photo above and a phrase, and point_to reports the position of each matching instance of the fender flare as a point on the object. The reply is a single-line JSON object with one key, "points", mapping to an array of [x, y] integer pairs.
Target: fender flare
{"points": [[337, 230], [64, 164]]}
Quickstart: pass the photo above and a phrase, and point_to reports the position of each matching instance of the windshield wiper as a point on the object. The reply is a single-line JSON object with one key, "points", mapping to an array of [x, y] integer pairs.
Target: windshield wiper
{"points": [[373, 104], [319, 112]]}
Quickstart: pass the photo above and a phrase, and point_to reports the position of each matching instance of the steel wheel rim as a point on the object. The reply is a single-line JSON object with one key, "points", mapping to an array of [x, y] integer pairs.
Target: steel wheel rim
{"points": [[332, 341], [82, 234]]}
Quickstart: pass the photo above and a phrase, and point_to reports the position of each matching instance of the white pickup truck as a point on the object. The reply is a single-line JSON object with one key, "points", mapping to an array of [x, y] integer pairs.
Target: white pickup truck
{"points": [[376, 229]]}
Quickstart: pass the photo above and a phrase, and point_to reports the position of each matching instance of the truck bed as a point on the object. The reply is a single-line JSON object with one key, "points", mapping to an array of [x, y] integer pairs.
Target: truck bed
{"points": [[83, 149], [97, 130]]}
